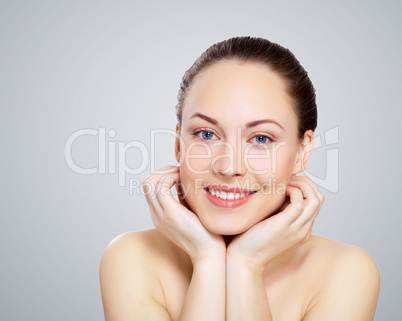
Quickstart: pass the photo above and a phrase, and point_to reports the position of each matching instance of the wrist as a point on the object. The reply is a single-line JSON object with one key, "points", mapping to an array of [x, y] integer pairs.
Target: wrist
{"points": [[211, 258], [238, 263]]}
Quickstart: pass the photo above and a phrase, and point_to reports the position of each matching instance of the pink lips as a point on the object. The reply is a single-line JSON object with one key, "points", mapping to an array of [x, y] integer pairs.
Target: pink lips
{"points": [[227, 203]]}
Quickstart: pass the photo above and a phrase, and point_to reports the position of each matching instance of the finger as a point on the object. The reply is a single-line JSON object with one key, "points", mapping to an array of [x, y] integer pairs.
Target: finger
{"points": [[182, 196], [154, 206], [317, 191], [153, 180], [311, 199], [164, 194], [310, 222], [312, 219], [151, 188], [306, 187], [167, 170], [312, 184], [153, 203], [285, 203], [161, 196], [160, 172], [296, 204]]}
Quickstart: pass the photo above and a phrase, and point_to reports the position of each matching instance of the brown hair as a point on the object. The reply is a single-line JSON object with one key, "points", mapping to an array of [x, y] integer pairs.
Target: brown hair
{"points": [[279, 59]]}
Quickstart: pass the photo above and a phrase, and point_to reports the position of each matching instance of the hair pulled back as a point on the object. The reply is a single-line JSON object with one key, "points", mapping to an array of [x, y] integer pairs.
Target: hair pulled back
{"points": [[277, 58]]}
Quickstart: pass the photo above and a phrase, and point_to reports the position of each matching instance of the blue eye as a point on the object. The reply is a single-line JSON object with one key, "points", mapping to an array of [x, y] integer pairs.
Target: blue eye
{"points": [[261, 139], [207, 135]]}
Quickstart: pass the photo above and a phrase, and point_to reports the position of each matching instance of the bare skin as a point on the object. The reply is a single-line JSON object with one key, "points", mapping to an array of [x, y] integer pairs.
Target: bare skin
{"points": [[209, 262], [294, 283]]}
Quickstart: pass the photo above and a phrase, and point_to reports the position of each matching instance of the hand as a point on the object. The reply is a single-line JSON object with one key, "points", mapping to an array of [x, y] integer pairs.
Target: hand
{"points": [[282, 232], [175, 220]]}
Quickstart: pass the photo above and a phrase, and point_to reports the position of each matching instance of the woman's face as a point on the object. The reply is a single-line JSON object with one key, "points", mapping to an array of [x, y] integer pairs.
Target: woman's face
{"points": [[239, 131]]}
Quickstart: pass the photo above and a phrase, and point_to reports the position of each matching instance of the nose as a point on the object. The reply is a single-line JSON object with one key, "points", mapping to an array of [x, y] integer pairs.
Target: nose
{"points": [[228, 159]]}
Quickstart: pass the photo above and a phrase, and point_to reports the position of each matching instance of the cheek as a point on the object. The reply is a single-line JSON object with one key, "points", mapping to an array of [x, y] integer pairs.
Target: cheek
{"points": [[271, 161], [272, 168], [197, 159], [191, 182], [192, 186]]}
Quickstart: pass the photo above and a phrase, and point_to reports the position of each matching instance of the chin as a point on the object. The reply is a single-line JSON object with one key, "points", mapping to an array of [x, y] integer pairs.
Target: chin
{"points": [[226, 227], [227, 223]]}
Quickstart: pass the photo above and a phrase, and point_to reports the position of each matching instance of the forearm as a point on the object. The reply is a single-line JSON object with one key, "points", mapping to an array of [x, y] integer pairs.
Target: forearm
{"points": [[246, 298], [205, 299]]}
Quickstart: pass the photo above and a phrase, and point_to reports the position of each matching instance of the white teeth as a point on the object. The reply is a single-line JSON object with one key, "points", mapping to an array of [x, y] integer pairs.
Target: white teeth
{"points": [[227, 196]]}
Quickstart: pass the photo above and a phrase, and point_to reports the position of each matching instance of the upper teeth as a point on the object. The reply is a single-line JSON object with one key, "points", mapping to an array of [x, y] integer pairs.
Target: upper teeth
{"points": [[227, 196]]}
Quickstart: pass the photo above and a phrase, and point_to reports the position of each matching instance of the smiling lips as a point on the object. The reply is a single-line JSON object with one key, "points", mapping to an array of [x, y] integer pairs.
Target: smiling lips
{"points": [[225, 196]]}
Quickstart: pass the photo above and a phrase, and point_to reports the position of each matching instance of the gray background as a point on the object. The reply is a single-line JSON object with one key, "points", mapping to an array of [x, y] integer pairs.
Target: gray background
{"points": [[69, 65]]}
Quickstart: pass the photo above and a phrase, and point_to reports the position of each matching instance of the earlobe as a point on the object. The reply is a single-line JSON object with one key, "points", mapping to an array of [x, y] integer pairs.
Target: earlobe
{"points": [[177, 144], [177, 155], [303, 157], [299, 165]]}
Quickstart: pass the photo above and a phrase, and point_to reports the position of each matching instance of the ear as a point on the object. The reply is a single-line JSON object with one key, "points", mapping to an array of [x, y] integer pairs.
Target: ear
{"points": [[177, 144], [303, 156]]}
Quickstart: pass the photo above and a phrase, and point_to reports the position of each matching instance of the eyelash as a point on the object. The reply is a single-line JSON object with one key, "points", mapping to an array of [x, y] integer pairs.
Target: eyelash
{"points": [[256, 144]]}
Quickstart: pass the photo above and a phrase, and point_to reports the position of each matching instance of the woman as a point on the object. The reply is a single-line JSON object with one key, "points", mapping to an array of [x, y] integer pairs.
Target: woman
{"points": [[238, 246]]}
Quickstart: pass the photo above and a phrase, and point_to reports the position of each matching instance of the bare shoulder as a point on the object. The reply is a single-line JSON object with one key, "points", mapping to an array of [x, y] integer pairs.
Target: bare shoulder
{"points": [[128, 278], [135, 250], [350, 282], [342, 257], [146, 243]]}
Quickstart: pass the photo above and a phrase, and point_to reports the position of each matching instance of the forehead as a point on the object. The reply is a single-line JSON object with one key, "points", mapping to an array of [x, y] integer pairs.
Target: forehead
{"points": [[240, 92]]}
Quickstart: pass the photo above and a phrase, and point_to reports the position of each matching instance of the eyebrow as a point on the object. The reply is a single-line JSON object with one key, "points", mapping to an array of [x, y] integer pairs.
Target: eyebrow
{"points": [[248, 125]]}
